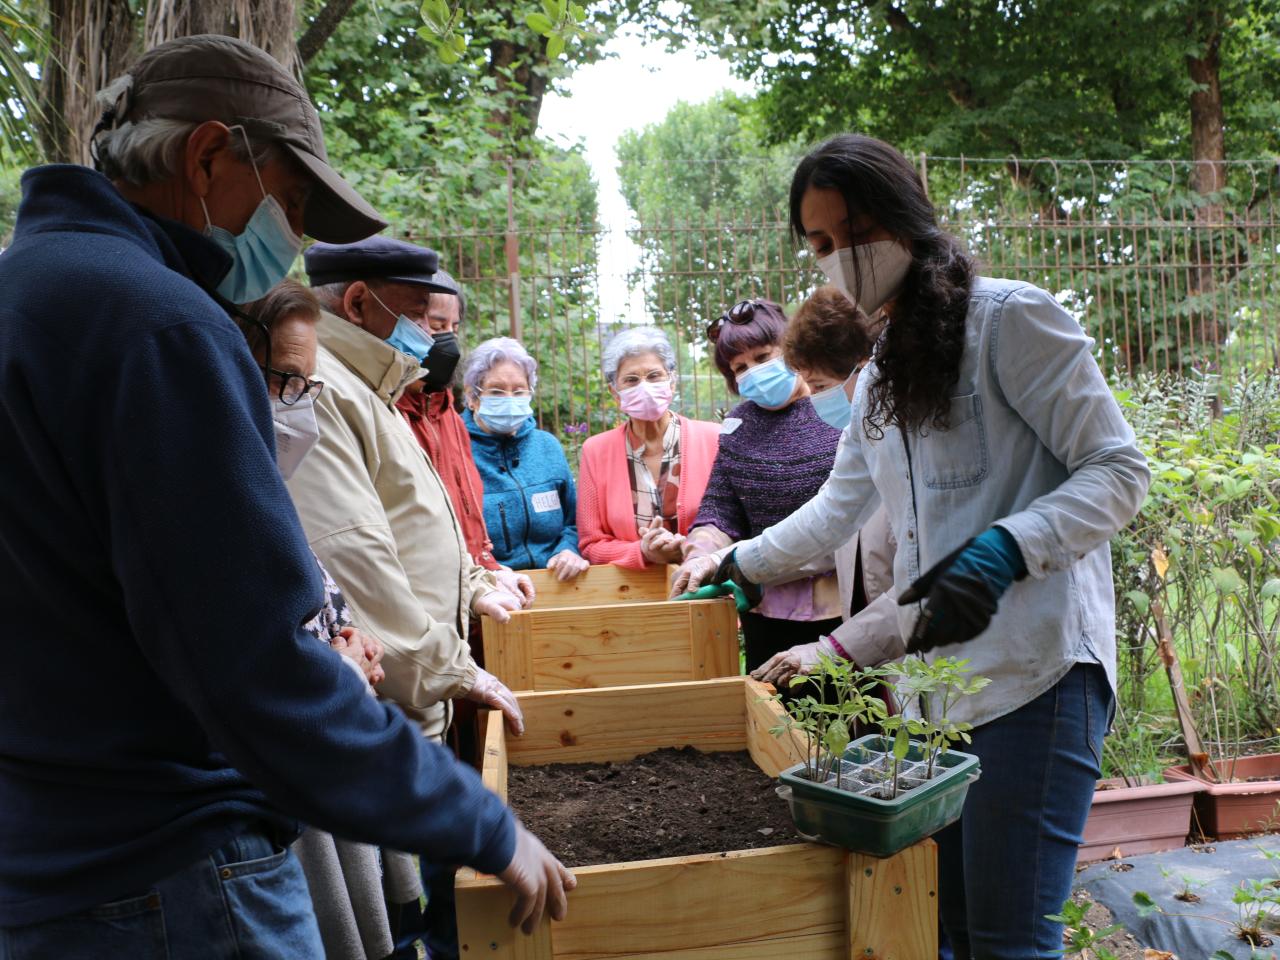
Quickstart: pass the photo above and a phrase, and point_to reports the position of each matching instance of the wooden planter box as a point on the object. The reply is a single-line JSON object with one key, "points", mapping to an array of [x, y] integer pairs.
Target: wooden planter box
{"points": [[600, 585], [1145, 818], [791, 901], [1227, 810], [611, 627]]}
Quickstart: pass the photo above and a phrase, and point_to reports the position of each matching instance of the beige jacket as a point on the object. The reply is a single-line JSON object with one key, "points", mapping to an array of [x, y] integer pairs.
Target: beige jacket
{"points": [[873, 636], [379, 518]]}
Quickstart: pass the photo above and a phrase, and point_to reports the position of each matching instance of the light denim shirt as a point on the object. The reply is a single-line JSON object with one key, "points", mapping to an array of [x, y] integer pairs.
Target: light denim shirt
{"points": [[1036, 445]]}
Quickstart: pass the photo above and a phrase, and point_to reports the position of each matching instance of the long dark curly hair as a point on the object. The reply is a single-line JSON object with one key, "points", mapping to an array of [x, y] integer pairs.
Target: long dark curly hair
{"points": [[919, 356]]}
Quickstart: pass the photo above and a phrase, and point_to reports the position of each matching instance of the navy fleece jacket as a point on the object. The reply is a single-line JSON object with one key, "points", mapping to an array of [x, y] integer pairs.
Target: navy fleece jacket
{"points": [[530, 504], [158, 695]]}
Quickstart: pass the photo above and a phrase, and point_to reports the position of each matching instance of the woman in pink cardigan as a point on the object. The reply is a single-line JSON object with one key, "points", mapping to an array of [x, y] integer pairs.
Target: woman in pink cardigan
{"points": [[640, 484]]}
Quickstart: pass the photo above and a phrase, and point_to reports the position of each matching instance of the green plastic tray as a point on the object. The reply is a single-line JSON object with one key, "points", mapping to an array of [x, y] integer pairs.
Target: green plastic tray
{"points": [[872, 825]]}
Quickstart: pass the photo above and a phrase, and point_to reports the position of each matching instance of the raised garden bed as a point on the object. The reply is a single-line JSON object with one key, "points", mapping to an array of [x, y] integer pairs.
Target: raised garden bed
{"points": [[1248, 801], [1138, 818], [795, 900], [611, 627]]}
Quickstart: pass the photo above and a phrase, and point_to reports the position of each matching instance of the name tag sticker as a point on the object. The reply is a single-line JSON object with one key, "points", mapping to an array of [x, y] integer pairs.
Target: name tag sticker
{"points": [[730, 424], [545, 502]]}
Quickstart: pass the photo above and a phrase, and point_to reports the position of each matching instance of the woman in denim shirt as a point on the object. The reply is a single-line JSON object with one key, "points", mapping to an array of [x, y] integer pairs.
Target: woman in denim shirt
{"points": [[986, 429]]}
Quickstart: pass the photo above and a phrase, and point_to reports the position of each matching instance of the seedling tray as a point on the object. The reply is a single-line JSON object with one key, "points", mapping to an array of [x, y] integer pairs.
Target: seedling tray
{"points": [[877, 825]]}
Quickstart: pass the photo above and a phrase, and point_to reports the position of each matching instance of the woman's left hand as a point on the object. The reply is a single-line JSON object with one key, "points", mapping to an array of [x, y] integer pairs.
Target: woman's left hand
{"points": [[567, 565]]}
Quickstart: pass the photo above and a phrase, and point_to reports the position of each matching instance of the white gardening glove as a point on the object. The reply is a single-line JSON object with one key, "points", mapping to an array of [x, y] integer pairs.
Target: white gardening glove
{"points": [[659, 545], [567, 565], [538, 880], [491, 692], [691, 574], [782, 666], [496, 604], [519, 585]]}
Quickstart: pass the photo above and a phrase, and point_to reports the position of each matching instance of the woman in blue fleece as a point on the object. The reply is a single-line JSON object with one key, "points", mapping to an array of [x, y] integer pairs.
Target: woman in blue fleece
{"points": [[529, 498]]}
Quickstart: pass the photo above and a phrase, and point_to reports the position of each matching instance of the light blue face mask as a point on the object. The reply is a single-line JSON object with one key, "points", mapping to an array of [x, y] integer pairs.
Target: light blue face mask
{"points": [[407, 336], [768, 385], [505, 414], [833, 404], [262, 253]]}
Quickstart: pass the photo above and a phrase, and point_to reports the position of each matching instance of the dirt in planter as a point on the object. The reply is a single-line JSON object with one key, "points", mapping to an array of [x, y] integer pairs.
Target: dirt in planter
{"points": [[669, 803]]}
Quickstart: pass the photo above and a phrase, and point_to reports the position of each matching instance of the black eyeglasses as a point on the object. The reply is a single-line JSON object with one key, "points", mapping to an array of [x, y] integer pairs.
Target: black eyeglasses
{"points": [[293, 386], [741, 313]]}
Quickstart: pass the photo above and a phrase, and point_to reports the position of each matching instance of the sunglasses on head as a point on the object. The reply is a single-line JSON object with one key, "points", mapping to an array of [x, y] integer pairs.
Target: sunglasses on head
{"points": [[741, 313]]}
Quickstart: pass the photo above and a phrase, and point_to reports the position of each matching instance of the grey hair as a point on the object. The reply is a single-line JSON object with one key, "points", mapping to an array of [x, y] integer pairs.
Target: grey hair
{"points": [[492, 352], [147, 150], [633, 342], [331, 295]]}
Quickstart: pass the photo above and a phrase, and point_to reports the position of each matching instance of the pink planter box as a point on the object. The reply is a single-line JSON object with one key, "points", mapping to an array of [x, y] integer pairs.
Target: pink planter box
{"points": [[1227, 810], [1142, 819]]}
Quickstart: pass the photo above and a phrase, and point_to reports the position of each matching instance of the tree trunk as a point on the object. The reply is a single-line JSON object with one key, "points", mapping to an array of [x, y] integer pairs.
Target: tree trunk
{"points": [[269, 25], [92, 41], [512, 66], [1209, 174], [322, 28]]}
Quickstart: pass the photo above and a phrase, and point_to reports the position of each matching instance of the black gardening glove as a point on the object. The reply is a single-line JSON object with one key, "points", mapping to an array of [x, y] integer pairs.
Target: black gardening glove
{"points": [[730, 571], [960, 604]]}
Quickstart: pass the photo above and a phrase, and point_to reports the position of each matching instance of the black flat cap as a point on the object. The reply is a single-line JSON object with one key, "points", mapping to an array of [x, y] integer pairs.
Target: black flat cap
{"points": [[377, 258]]}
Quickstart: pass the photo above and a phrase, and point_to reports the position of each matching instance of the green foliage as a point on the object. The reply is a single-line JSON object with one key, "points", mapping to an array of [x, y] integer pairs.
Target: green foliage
{"points": [[1080, 940], [1062, 78], [21, 42], [706, 192], [1206, 548], [557, 22]]}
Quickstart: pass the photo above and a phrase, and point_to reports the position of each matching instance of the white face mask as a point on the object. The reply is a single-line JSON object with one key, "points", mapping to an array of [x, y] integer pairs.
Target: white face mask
{"points": [[296, 432], [877, 272]]}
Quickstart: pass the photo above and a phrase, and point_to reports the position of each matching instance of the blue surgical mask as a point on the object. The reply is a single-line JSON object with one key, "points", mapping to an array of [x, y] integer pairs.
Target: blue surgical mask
{"points": [[768, 384], [262, 253], [407, 337], [505, 414], [833, 405]]}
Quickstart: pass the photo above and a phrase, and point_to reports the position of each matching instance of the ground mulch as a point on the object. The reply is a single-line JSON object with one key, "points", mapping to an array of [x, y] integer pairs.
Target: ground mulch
{"points": [[669, 803]]}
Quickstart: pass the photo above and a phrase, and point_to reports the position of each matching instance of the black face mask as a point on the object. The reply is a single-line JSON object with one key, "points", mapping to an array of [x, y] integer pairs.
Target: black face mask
{"points": [[441, 362]]}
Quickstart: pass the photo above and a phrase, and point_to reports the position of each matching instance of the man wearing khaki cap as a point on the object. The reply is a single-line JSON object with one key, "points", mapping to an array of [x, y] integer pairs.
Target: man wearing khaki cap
{"points": [[173, 719]]}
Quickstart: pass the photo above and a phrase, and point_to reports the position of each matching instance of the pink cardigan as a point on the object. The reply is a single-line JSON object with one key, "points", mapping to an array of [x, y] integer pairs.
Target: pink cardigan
{"points": [[606, 514]]}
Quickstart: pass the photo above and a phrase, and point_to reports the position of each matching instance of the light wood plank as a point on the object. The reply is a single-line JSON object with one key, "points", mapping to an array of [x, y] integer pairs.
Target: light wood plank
{"points": [[612, 670], [494, 770], [893, 904], [508, 650], [771, 754], [618, 723], [482, 910], [601, 584], [615, 628], [713, 638], [753, 903]]}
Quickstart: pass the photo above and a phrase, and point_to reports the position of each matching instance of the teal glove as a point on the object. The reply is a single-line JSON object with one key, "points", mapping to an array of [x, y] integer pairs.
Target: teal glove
{"points": [[713, 590]]}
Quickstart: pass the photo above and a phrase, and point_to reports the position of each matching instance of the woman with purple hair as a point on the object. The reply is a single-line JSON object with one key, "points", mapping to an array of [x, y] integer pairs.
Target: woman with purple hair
{"points": [[775, 452]]}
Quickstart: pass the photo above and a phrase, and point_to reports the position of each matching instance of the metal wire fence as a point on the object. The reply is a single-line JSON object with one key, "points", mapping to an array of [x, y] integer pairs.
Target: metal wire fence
{"points": [[1163, 278]]}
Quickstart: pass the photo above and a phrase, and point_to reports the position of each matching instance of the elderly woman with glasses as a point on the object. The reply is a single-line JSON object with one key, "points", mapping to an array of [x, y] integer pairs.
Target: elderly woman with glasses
{"points": [[529, 497], [640, 484], [775, 452]]}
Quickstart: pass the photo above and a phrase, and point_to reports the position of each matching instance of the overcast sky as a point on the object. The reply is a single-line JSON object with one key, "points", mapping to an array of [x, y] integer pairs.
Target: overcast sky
{"points": [[630, 90]]}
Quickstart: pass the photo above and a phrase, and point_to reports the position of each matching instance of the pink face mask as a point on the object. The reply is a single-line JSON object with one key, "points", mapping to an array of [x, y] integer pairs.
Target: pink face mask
{"points": [[646, 401]]}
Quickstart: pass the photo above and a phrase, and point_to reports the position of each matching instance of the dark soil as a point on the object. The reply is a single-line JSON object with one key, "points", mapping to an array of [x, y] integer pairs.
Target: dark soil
{"points": [[668, 803]]}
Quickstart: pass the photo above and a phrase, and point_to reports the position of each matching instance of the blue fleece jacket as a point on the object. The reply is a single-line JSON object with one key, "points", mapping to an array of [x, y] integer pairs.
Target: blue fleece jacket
{"points": [[530, 505], [158, 695]]}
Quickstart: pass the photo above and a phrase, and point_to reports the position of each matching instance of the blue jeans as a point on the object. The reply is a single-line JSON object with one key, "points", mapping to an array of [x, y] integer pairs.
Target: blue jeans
{"points": [[247, 900], [436, 925], [1010, 859]]}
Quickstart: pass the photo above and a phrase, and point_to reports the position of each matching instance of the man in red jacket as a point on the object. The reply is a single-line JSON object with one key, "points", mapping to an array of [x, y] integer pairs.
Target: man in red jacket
{"points": [[428, 407]]}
